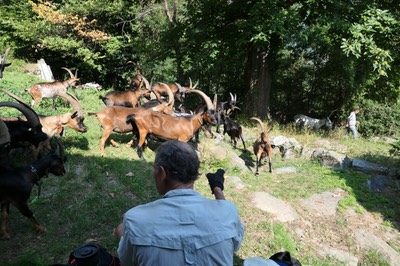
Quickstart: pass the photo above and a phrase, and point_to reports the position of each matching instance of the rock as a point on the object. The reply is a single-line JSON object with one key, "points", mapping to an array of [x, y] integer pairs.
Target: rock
{"points": [[379, 183], [369, 168], [369, 241], [347, 258], [279, 209], [285, 170], [331, 158], [324, 204], [237, 181]]}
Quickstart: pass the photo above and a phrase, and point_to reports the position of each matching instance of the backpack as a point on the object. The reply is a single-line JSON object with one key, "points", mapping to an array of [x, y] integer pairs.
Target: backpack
{"points": [[284, 259]]}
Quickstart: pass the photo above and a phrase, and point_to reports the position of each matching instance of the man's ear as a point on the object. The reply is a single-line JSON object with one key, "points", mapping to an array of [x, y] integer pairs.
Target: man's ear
{"points": [[163, 173]]}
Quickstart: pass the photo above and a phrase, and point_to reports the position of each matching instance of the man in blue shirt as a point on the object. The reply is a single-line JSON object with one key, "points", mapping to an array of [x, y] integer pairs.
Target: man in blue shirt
{"points": [[181, 228]]}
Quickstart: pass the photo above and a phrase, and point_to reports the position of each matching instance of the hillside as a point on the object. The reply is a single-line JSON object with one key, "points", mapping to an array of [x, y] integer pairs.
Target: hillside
{"points": [[336, 217]]}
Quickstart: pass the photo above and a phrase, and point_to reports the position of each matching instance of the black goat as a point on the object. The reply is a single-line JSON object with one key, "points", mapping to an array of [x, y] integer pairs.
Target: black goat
{"points": [[234, 130], [24, 131], [16, 185], [224, 109]]}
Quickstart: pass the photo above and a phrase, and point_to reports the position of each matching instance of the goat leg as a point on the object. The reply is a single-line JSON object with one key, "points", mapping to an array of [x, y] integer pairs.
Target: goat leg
{"points": [[5, 207], [24, 209], [114, 143], [244, 145]]}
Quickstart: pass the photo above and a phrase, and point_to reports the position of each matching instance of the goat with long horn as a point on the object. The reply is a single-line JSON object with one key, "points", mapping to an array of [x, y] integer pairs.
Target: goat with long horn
{"points": [[168, 127], [42, 90], [113, 118], [262, 147], [131, 97]]}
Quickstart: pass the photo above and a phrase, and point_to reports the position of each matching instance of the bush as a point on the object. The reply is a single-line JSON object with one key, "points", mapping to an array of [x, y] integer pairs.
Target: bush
{"points": [[379, 119], [395, 150]]}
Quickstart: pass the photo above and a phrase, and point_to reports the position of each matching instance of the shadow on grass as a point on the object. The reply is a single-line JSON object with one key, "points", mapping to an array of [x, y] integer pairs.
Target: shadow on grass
{"points": [[385, 202]]}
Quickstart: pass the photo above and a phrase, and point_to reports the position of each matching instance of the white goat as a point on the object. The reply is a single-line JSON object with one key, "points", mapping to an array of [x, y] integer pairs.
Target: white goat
{"points": [[312, 123]]}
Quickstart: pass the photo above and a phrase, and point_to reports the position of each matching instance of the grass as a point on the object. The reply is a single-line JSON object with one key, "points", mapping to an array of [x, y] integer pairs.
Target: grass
{"points": [[89, 201]]}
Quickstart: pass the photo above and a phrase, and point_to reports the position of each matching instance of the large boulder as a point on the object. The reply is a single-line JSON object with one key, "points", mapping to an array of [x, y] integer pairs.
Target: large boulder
{"points": [[331, 158]]}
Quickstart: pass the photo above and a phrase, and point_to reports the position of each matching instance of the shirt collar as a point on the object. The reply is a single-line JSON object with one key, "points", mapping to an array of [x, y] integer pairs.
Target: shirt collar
{"points": [[181, 192]]}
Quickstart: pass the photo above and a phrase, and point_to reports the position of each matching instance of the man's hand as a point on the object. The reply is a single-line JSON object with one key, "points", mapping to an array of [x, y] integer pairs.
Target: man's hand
{"points": [[216, 179]]}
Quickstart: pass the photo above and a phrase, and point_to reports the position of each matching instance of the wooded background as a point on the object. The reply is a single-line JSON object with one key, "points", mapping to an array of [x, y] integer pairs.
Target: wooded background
{"points": [[310, 57]]}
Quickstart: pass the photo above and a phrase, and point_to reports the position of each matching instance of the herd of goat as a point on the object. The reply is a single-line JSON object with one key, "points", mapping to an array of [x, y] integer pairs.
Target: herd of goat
{"points": [[145, 110]]}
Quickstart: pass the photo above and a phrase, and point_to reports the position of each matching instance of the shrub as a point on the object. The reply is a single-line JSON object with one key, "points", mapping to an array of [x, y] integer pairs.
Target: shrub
{"points": [[379, 119]]}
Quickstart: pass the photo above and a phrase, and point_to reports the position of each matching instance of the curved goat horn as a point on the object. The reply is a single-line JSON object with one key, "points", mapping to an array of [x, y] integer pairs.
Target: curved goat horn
{"points": [[29, 113], [31, 116], [21, 101], [74, 102], [232, 98], [69, 71], [146, 83], [171, 99], [180, 88], [259, 122], [191, 84], [206, 99]]}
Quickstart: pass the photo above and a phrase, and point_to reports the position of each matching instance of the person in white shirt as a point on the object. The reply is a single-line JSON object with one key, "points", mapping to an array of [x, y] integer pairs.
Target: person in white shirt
{"points": [[352, 122]]}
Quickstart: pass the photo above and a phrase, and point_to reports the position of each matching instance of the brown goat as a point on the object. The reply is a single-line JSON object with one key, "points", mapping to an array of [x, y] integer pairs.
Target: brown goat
{"points": [[129, 98], [168, 127], [178, 90], [51, 89], [113, 119], [262, 147]]}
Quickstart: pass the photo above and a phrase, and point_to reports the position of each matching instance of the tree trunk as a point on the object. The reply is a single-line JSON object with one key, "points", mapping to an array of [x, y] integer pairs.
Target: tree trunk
{"points": [[258, 79]]}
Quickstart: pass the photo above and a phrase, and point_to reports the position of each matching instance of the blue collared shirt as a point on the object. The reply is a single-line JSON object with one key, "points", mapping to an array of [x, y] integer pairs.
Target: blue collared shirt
{"points": [[182, 228]]}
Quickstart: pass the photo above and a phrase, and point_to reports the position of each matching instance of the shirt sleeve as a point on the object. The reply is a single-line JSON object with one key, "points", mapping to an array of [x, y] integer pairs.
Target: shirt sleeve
{"points": [[124, 249], [237, 241]]}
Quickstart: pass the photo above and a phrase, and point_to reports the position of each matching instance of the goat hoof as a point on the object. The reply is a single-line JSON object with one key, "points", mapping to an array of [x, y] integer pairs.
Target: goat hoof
{"points": [[41, 229]]}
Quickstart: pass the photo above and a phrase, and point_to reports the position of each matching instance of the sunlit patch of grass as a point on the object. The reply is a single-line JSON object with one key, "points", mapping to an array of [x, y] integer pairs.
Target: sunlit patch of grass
{"points": [[373, 258]]}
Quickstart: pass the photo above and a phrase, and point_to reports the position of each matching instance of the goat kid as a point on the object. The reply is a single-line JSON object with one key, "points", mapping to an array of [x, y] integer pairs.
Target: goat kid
{"points": [[129, 98], [16, 185], [51, 89], [168, 127], [303, 121], [262, 147], [234, 130], [3, 64]]}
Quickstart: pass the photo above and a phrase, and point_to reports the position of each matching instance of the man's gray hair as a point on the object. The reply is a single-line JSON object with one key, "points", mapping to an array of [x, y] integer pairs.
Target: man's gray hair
{"points": [[179, 159]]}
